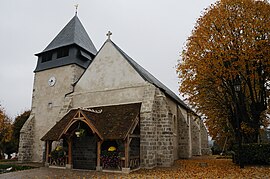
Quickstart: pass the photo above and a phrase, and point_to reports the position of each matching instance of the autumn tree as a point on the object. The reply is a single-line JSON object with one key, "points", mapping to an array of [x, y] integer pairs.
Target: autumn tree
{"points": [[5, 131], [17, 126], [230, 44]]}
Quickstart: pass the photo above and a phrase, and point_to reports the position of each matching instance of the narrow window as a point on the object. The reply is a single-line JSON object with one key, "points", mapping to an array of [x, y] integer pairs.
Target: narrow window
{"points": [[46, 57], [175, 126], [62, 52]]}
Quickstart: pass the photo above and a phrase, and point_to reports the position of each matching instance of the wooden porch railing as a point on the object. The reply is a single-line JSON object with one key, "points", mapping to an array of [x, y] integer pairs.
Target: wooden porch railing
{"points": [[59, 162], [134, 162]]}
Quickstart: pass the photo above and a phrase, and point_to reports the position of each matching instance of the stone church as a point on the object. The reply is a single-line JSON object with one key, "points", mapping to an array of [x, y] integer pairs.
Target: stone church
{"points": [[100, 110]]}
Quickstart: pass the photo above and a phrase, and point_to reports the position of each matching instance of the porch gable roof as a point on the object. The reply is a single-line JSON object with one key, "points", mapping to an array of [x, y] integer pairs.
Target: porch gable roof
{"points": [[111, 122]]}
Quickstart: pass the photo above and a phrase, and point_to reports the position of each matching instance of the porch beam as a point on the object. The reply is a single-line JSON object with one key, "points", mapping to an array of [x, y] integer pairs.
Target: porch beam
{"points": [[79, 118], [134, 124], [129, 141], [135, 135]]}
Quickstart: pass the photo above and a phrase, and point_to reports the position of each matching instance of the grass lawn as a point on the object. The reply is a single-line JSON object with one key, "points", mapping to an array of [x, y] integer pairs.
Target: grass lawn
{"points": [[4, 168]]}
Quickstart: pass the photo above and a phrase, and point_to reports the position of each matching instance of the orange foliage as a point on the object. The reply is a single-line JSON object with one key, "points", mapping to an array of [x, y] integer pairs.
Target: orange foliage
{"points": [[5, 127], [231, 39]]}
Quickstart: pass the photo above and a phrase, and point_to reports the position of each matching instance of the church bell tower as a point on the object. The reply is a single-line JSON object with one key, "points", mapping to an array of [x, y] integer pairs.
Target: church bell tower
{"points": [[59, 67]]}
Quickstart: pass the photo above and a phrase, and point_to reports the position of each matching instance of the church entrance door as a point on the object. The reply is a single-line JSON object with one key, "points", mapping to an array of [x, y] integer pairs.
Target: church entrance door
{"points": [[84, 152]]}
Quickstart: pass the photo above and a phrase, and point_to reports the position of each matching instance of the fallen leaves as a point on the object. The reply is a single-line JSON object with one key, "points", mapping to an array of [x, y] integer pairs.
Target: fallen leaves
{"points": [[197, 167], [201, 167]]}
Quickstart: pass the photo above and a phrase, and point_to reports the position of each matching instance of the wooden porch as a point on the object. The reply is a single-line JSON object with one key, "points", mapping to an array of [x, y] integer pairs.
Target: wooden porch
{"points": [[125, 131]]}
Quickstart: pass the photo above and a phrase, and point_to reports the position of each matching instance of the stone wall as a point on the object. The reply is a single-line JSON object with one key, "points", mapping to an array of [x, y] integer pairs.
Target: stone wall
{"points": [[26, 140], [184, 143], [156, 129], [173, 108], [148, 129], [195, 135], [48, 106], [204, 140], [164, 119]]}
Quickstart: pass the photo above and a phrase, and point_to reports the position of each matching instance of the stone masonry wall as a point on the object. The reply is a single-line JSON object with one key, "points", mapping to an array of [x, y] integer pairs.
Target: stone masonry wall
{"points": [[204, 140], [184, 143], [164, 119], [148, 129], [48, 106], [156, 129], [68, 103], [26, 140], [196, 136]]}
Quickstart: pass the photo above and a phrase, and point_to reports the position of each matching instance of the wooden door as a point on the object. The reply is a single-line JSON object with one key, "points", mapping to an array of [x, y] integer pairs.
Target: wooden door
{"points": [[84, 152]]}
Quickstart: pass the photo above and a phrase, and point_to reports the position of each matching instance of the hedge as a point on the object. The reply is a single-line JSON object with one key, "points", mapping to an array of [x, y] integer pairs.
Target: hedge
{"points": [[258, 154]]}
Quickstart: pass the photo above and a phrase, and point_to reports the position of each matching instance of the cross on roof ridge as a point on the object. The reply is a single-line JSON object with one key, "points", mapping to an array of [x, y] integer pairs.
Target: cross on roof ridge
{"points": [[109, 35]]}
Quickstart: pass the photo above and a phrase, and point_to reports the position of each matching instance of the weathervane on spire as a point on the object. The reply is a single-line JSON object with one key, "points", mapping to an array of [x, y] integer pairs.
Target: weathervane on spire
{"points": [[109, 34], [76, 8]]}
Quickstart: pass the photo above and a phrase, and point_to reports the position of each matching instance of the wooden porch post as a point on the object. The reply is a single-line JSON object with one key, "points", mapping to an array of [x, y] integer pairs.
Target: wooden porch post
{"points": [[48, 151], [98, 168], [69, 164], [127, 152]]}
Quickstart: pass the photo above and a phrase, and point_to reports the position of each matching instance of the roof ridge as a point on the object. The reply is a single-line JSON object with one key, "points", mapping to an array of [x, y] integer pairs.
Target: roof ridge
{"points": [[74, 27]]}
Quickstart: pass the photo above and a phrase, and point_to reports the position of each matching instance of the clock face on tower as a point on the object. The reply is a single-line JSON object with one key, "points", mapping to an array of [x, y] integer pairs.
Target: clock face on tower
{"points": [[52, 81]]}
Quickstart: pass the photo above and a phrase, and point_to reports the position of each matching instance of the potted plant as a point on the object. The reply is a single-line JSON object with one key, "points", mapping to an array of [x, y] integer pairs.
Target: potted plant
{"points": [[79, 132], [110, 158], [58, 156]]}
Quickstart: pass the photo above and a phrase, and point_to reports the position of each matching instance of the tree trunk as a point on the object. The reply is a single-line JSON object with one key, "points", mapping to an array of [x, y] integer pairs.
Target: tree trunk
{"points": [[250, 138]]}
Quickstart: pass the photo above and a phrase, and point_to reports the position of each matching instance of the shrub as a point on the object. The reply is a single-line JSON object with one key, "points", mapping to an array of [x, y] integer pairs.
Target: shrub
{"points": [[258, 154], [3, 168]]}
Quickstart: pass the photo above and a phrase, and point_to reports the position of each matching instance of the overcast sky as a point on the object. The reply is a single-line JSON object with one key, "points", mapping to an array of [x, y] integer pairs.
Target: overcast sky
{"points": [[152, 32]]}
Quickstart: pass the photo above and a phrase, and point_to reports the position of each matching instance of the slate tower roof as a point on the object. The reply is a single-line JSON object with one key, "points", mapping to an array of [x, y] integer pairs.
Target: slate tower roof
{"points": [[72, 43], [72, 33]]}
